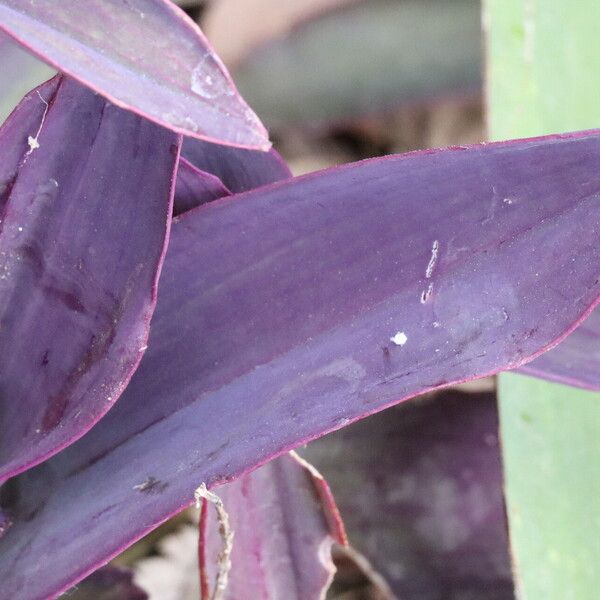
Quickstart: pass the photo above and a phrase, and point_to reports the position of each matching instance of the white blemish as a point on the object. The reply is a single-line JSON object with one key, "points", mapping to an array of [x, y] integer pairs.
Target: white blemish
{"points": [[143, 348], [436, 324], [399, 339], [33, 140], [33, 144], [207, 79], [508, 200], [433, 260], [427, 294], [20, 228]]}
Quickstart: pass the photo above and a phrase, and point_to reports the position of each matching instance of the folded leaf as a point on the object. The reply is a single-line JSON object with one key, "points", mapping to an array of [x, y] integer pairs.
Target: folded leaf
{"points": [[368, 57], [20, 72], [176, 81], [195, 187], [109, 583], [239, 170], [289, 311], [420, 490], [82, 237], [285, 522]]}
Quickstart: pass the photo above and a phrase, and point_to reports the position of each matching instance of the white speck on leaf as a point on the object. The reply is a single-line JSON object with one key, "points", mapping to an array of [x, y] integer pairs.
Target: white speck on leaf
{"points": [[33, 140], [399, 339], [435, 248], [425, 295]]}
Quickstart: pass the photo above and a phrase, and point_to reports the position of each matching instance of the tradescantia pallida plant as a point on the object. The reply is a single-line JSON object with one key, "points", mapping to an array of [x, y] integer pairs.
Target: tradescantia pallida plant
{"points": [[158, 260]]}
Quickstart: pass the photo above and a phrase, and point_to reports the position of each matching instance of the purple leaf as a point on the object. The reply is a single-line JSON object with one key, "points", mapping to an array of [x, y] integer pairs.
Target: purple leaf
{"points": [[420, 489], [195, 187], [285, 522], [108, 583], [275, 323], [575, 361], [82, 237], [177, 81], [240, 170]]}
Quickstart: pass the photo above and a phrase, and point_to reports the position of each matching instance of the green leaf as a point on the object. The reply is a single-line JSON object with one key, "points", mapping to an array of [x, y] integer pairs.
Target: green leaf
{"points": [[364, 59], [543, 77]]}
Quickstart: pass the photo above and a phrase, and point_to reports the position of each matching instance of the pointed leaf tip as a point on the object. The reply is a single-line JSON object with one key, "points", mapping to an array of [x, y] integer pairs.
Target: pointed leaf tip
{"points": [[177, 81]]}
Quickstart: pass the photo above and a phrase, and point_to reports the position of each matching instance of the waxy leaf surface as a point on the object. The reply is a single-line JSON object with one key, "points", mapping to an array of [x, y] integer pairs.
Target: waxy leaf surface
{"points": [[285, 523], [82, 237], [238, 169], [177, 80], [276, 315], [420, 490]]}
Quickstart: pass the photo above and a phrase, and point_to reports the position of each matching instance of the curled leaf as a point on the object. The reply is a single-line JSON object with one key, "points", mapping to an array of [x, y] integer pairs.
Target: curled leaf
{"points": [[285, 522]]}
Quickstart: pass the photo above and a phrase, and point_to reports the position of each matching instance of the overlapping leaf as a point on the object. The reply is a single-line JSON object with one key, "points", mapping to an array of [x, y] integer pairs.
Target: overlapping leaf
{"points": [[420, 489], [82, 237], [291, 310], [238, 169], [109, 583], [195, 187], [576, 361], [177, 80], [285, 523]]}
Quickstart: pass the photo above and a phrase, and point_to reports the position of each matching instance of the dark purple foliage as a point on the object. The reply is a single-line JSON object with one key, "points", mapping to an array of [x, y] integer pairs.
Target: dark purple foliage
{"points": [[294, 309], [420, 491], [83, 231], [240, 170], [144, 55], [576, 361], [195, 187], [108, 583], [284, 522]]}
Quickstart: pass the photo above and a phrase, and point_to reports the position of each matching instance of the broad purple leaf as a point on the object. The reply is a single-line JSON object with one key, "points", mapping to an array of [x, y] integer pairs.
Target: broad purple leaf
{"points": [[240, 170], [275, 323], [176, 81], [108, 583], [420, 490], [82, 237], [195, 187], [285, 523], [576, 360]]}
